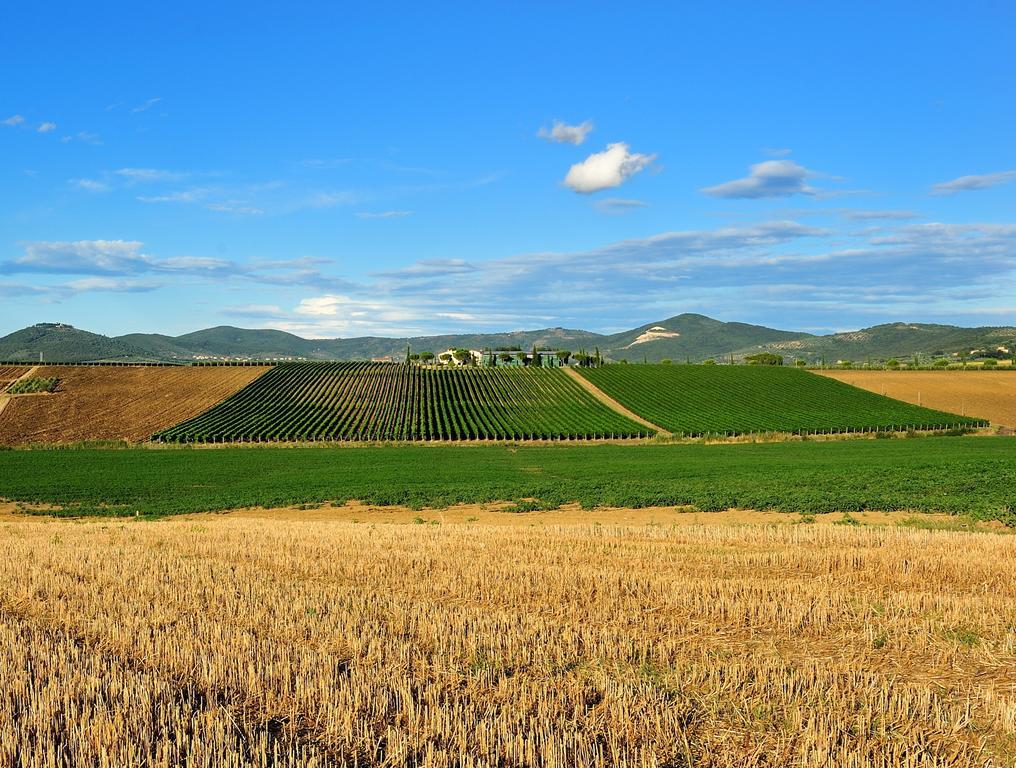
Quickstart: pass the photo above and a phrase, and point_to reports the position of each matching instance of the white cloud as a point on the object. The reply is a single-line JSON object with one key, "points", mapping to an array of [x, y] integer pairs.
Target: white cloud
{"points": [[90, 185], [13, 120], [607, 169], [383, 214], [566, 134], [771, 178], [973, 183], [46, 127]]}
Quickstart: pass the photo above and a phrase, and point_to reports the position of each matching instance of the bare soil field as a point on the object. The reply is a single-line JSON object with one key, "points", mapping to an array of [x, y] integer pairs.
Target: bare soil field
{"points": [[117, 403], [235, 640], [982, 394], [9, 373]]}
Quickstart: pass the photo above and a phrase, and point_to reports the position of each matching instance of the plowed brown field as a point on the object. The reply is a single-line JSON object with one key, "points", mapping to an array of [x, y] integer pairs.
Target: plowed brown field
{"points": [[114, 403], [9, 373], [987, 395]]}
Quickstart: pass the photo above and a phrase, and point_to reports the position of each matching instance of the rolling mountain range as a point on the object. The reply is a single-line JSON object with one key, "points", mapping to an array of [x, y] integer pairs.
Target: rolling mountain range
{"points": [[683, 337]]}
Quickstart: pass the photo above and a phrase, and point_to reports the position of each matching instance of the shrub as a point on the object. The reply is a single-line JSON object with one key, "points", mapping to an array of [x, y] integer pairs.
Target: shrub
{"points": [[32, 386]]}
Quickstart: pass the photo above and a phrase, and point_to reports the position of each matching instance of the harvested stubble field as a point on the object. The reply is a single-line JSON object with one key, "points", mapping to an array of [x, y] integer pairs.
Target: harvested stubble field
{"points": [[228, 641], [985, 394], [117, 403]]}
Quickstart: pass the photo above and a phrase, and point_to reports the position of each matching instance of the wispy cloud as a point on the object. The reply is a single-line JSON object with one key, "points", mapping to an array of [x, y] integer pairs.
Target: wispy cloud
{"points": [[563, 133], [193, 195], [616, 205], [147, 105], [858, 215], [771, 178], [128, 260], [13, 120], [85, 137], [236, 208], [382, 214], [111, 285], [607, 169], [46, 127], [973, 183], [149, 174], [89, 185]]}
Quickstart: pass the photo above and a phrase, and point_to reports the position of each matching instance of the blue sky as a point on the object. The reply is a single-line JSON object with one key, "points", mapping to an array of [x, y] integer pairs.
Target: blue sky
{"points": [[413, 169]]}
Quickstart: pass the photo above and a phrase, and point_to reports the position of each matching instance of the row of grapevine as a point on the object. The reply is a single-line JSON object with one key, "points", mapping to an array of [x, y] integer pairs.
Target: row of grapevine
{"points": [[387, 401], [694, 400]]}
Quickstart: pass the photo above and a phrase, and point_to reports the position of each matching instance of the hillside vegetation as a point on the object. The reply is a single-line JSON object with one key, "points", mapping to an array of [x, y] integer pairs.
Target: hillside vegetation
{"points": [[388, 401], [694, 400]]}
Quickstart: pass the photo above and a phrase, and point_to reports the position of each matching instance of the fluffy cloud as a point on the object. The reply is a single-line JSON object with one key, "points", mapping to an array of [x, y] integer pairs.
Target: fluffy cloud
{"points": [[607, 169], [772, 178], [13, 120], [46, 127], [973, 183], [566, 134]]}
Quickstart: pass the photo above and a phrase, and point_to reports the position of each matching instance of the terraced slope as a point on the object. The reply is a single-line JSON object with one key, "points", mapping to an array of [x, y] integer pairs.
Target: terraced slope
{"points": [[115, 402], [389, 401], [709, 399]]}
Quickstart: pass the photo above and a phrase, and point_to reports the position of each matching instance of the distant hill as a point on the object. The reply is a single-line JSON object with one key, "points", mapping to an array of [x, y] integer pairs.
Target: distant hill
{"points": [[694, 337], [898, 340], [683, 337], [57, 342]]}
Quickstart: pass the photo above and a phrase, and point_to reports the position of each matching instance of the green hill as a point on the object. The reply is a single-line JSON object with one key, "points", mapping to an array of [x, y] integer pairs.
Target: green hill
{"points": [[59, 343], [679, 338], [899, 340], [692, 336]]}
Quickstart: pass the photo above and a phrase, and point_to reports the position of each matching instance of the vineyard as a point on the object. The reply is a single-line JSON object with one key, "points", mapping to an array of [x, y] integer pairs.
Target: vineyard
{"points": [[386, 401], [694, 400]]}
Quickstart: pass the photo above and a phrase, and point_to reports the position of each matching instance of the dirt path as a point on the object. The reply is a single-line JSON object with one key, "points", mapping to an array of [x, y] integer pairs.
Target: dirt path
{"points": [[611, 403]]}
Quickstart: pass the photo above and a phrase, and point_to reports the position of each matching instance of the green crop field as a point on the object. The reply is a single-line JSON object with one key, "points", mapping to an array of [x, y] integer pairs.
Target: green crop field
{"points": [[947, 474], [694, 400], [388, 401]]}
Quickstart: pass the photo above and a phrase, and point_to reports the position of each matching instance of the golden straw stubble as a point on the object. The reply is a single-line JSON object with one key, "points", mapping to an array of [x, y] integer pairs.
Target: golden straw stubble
{"points": [[255, 642]]}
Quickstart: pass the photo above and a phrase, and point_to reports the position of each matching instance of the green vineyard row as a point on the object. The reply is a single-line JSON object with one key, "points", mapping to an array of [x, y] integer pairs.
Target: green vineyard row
{"points": [[388, 401], [694, 400]]}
